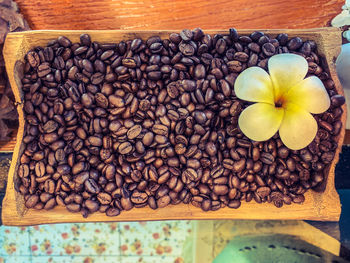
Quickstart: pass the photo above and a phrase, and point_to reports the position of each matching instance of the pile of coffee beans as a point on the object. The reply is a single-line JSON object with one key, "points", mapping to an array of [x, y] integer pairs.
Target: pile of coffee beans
{"points": [[112, 126]]}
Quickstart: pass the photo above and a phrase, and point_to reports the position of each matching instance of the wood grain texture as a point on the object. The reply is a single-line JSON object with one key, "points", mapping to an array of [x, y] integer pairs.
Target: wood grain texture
{"points": [[317, 206], [174, 15], [178, 14]]}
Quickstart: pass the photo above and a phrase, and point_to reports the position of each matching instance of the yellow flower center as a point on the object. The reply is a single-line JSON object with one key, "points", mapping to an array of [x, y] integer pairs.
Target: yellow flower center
{"points": [[284, 101], [280, 102]]}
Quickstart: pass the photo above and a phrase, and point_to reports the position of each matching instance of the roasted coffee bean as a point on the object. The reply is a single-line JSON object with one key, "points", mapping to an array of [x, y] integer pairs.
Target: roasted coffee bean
{"points": [[91, 186], [125, 148], [189, 175], [63, 169], [295, 43], [134, 131], [210, 148], [104, 198], [91, 205], [73, 207], [23, 170], [148, 138], [112, 211], [33, 59], [267, 158], [239, 165], [32, 201], [337, 100], [241, 56], [220, 189], [263, 191], [50, 204], [186, 35], [163, 201], [160, 129], [234, 204], [50, 126], [268, 49], [138, 197]]}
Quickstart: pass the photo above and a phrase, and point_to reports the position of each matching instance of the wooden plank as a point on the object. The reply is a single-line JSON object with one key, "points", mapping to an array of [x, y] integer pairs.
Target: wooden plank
{"points": [[317, 206], [178, 14]]}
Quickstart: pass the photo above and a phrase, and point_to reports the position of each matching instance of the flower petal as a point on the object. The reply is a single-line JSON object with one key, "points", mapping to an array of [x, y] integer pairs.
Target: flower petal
{"points": [[298, 127], [254, 84], [310, 94], [260, 121], [342, 19], [286, 70]]}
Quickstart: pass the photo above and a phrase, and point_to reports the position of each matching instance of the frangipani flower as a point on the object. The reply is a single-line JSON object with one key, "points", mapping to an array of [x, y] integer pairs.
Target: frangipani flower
{"points": [[284, 101]]}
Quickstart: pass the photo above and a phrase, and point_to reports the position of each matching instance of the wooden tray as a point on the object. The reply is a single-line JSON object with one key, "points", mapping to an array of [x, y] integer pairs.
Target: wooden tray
{"points": [[317, 206]]}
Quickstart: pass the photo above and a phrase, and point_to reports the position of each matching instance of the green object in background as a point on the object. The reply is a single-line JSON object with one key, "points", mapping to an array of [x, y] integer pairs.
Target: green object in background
{"points": [[273, 249]]}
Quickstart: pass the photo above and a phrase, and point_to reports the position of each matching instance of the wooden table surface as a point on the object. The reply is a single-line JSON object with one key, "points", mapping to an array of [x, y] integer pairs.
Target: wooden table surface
{"points": [[175, 15], [172, 14]]}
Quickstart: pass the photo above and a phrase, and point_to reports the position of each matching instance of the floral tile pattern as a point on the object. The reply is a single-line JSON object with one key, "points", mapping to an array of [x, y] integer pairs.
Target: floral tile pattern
{"points": [[76, 259], [15, 259], [152, 259], [75, 239], [154, 238], [129, 242], [14, 241]]}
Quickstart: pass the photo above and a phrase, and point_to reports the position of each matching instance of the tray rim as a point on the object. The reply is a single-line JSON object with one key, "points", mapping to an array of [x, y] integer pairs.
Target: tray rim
{"points": [[10, 216]]}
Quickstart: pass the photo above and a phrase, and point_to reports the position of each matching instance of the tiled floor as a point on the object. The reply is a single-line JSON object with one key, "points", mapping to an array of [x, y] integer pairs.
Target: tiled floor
{"points": [[133, 242]]}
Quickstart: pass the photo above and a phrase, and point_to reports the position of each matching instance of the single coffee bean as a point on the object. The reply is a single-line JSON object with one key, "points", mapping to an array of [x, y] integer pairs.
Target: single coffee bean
{"points": [[32, 201], [163, 201], [134, 132], [282, 39], [220, 189], [263, 191], [33, 59], [295, 43], [186, 35], [337, 100], [160, 129], [126, 203], [112, 211], [104, 198], [125, 148], [50, 204], [234, 204], [91, 205], [268, 49], [50, 126], [241, 56], [138, 197], [73, 207], [116, 101], [210, 148], [148, 138], [239, 165], [267, 158]]}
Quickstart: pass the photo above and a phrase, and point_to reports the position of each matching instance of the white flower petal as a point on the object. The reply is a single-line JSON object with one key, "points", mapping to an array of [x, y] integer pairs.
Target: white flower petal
{"points": [[310, 94], [342, 19], [254, 84], [286, 70], [260, 121], [347, 4], [298, 128], [346, 34]]}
